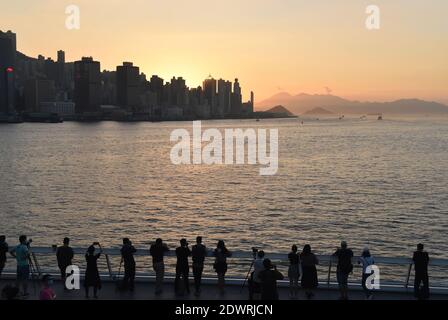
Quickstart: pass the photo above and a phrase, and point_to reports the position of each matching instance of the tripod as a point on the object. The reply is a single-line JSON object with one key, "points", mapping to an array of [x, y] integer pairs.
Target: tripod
{"points": [[34, 270], [250, 269]]}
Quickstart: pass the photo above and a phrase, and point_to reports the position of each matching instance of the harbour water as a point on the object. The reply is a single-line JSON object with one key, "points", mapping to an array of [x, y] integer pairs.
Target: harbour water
{"points": [[377, 183]]}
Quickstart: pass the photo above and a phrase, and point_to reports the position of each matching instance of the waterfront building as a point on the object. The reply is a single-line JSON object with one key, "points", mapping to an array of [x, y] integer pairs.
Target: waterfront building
{"points": [[87, 86], [128, 81], [7, 72], [38, 91], [237, 104]]}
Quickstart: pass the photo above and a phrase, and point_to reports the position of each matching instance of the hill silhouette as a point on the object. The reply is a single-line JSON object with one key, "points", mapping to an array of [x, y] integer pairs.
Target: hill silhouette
{"points": [[301, 103], [280, 110], [318, 112]]}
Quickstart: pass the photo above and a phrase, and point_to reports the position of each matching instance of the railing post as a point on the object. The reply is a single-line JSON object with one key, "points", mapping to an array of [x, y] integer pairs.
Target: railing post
{"points": [[409, 276], [329, 273], [109, 266], [36, 264]]}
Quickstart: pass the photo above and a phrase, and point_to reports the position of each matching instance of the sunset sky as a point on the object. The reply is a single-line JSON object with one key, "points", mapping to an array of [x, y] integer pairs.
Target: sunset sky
{"points": [[271, 45]]}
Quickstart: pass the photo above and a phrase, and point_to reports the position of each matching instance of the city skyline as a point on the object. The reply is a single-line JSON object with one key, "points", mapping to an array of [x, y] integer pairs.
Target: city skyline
{"points": [[43, 89], [292, 46]]}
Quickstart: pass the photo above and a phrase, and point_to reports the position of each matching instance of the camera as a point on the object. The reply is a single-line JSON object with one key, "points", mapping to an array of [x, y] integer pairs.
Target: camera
{"points": [[254, 250]]}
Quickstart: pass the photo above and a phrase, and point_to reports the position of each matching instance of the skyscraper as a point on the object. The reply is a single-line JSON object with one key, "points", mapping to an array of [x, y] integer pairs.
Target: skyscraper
{"points": [[128, 77], [38, 91], [60, 81], [237, 100], [87, 85], [224, 97], [156, 86], [7, 71], [209, 90]]}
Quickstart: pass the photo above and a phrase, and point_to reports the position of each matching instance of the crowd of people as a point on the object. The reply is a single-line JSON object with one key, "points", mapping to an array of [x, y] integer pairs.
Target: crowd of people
{"points": [[262, 281]]}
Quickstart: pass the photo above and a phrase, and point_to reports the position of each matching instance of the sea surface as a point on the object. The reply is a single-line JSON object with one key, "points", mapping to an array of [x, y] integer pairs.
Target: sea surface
{"points": [[378, 183]]}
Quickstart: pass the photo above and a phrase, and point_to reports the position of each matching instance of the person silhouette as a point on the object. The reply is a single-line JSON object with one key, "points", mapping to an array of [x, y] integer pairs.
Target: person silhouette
{"points": [[421, 261], [198, 253], [64, 256], [344, 268], [294, 272], [182, 268], [366, 260], [157, 251], [92, 275], [22, 256], [3, 250], [309, 279], [268, 278], [221, 254], [127, 257]]}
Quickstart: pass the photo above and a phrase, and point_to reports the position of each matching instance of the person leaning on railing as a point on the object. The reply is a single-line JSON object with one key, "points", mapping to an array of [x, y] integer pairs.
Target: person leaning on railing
{"points": [[157, 251]]}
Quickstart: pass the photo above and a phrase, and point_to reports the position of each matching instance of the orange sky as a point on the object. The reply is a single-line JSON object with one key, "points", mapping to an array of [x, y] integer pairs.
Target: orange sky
{"points": [[271, 45]]}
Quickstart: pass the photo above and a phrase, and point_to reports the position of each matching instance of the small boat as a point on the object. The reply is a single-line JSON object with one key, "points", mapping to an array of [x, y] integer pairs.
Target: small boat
{"points": [[258, 120], [380, 118]]}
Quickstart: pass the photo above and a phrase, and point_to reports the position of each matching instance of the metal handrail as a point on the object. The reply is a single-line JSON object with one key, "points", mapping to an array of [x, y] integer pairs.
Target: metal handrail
{"points": [[249, 255], [323, 259]]}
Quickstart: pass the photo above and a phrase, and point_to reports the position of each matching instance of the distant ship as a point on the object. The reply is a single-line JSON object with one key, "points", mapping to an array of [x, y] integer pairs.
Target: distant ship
{"points": [[380, 115]]}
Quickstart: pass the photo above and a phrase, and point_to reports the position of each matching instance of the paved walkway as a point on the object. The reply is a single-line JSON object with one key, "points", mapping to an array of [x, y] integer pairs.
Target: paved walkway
{"points": [[145, 291]]}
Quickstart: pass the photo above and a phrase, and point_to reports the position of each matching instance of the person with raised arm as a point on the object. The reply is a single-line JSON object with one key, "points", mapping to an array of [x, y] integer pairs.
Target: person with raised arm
{"points": [[92, 275]]}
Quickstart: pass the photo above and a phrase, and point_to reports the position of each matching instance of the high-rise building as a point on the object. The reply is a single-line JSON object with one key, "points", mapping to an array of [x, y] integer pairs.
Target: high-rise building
{"points": [[156, 85], [38, 91], [87, 85], [128, 80], [224, 97], [7, 71], [60, 81], [178, 92], [237, 99], [209, 90], [61, 56]]}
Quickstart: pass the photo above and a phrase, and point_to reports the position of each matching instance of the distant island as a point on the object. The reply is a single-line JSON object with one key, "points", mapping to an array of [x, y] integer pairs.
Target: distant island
{"points": [[303, 103], [318, 112], [276, 112]]}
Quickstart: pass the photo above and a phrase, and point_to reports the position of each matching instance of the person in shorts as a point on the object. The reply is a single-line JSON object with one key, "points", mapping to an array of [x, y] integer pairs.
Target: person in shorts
{"points": [[22, 255]]}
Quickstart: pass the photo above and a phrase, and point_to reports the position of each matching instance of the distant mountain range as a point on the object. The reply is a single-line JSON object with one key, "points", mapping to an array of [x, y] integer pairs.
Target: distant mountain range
{"points": [[303, 103]]}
